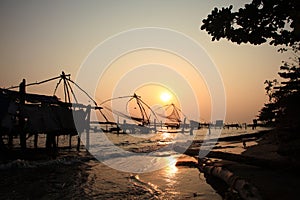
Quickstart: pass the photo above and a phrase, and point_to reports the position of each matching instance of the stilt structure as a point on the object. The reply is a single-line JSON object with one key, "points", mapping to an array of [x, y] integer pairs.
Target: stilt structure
{"points": [[26, 115]]}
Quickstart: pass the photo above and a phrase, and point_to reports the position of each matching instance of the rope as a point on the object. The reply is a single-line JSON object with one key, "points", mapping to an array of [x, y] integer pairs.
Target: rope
{"points": [[83, 91], [114, 99], [37, 83], [140, 103]]}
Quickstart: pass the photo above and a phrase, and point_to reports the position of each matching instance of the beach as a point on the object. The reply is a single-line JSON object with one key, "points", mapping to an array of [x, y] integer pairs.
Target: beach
{"points": [[149, 100], [271, 182], [269, 176], [77, 175]]}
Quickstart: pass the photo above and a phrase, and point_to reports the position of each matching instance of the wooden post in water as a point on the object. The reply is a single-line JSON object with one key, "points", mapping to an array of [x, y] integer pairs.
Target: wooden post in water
{"points": [[70, 141], [36, 136], [191, 130], [88, 118], [22, 90], [183, 125], [118, 127], [78, 141], [57, 140]]}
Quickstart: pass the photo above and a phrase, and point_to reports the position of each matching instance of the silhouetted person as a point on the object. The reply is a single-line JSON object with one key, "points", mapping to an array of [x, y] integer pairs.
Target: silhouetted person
{"points": [[244, 143], [254, 124]]}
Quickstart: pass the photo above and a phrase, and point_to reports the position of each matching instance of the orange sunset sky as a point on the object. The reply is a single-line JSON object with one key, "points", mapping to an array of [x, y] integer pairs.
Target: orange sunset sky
{"points": [[39, 39]]}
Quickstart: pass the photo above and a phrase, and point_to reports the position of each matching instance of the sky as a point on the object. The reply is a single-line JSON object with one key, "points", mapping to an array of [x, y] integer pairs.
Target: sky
{"points": [[41, 38]]}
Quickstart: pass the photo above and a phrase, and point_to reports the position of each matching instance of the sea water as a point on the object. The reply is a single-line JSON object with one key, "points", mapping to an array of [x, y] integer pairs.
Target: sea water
{"points": [[128, 166], [150, 172]]}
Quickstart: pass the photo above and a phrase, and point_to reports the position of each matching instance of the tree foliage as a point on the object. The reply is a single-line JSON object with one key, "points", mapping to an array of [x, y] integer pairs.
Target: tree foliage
{"points": [[259, 21], [277, 22], [284, 97]]}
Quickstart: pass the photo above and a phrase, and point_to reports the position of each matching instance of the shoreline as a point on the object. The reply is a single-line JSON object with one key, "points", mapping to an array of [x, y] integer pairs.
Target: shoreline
{"points": [[271, 182]]}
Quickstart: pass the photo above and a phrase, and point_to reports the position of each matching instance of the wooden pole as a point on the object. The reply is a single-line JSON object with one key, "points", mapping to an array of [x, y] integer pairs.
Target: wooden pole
{"points": [[78, 141], [88, 118], [57, 140], [36, 136], [191, 130], [70, 141], [66, 88], [22, 91]]}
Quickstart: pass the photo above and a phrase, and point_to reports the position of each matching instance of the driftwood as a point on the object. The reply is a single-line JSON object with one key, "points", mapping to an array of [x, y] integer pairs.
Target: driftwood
{"points": [[249, 160], [244, 188]]}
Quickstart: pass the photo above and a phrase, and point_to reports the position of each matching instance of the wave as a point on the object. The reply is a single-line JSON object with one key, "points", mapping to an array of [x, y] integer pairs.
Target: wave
{"points": [[24, 164]]}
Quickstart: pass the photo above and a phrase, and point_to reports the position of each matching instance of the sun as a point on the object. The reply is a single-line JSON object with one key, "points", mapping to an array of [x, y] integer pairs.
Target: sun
{"points": [[165, 96]]}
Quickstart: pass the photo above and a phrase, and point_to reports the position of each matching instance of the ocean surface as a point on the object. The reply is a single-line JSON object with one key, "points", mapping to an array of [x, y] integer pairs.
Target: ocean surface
{"points": [[127, 166]]}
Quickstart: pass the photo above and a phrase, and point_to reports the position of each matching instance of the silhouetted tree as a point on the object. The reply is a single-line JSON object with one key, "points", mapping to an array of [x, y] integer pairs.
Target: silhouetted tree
{"points": [[277, 20], [284, 97], [267, 114]]}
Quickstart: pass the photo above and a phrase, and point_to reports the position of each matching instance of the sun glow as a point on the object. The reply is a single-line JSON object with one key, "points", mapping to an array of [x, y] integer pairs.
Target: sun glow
{"points": [[165, 97]]}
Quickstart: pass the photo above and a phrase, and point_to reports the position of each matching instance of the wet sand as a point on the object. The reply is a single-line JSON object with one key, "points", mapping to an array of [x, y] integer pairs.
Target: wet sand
{"points": [[94, 180], [48, 182]]}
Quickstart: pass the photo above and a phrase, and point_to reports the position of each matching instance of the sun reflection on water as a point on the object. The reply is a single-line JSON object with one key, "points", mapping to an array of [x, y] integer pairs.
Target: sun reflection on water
{"points": [[166, 135], [171, 168]]}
